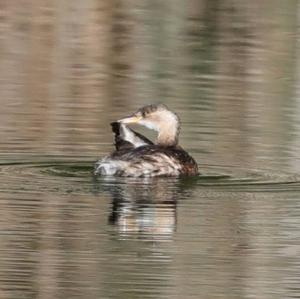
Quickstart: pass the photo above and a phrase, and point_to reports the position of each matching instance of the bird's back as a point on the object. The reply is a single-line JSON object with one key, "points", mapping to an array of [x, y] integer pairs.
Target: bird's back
{"points": [[137, 156], [148, 161]]}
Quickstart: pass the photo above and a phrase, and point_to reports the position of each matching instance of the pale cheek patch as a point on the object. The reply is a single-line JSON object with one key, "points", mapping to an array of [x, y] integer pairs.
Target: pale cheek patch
{"points": [[149, 124]]}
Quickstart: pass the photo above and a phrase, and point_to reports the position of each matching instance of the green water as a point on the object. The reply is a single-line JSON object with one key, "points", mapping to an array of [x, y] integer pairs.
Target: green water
{"points": [[230, 69]]}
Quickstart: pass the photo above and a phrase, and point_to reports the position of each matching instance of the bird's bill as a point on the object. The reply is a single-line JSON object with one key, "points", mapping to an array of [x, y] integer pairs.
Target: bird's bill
{"points": [[130, 119]]}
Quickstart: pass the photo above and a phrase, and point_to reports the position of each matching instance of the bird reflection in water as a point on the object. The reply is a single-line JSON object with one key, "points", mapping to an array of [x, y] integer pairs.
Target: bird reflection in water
{"points": [[144, 207]]}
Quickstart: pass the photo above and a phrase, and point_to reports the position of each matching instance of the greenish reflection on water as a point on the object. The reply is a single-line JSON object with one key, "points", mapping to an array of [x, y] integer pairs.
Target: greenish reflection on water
{"points": [[230, 69]]}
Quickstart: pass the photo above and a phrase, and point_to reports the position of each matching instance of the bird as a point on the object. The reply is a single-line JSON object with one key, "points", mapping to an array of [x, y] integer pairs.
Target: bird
{"points": [[137, 156]]}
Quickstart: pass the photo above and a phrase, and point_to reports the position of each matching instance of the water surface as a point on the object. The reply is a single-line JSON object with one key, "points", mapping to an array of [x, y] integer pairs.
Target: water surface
{"points": [[231, 72]]}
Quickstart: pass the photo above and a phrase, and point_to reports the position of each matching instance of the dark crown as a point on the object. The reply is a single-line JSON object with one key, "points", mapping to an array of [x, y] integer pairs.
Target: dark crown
{"points": [[151, 108]]}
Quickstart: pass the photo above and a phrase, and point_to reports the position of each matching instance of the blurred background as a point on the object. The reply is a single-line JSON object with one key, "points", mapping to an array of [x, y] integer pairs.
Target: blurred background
{"points": [[229, 68]]}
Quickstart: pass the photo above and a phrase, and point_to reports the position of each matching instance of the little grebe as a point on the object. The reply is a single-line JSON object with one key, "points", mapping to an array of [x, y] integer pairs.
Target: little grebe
{"points": [[137, 156]]}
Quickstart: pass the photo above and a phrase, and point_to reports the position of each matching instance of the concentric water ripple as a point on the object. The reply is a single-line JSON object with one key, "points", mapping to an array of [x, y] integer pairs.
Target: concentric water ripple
{"points": [[71, 176], [248, 180], [61, 176]]}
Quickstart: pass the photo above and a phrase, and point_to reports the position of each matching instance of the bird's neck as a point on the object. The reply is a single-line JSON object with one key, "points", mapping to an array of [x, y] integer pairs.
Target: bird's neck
{"points": [[168, 136]]}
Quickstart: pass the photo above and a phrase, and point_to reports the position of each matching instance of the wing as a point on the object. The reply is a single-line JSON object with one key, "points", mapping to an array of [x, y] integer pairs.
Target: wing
{"points": [[126, 138]]}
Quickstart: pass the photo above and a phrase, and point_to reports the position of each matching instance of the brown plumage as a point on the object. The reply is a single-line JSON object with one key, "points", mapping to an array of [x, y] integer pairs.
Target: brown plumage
{"points": [[137, 156]]}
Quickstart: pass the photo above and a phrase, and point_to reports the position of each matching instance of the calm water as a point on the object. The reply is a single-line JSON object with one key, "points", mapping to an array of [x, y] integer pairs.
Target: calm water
{"points": [[230, 69]]}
